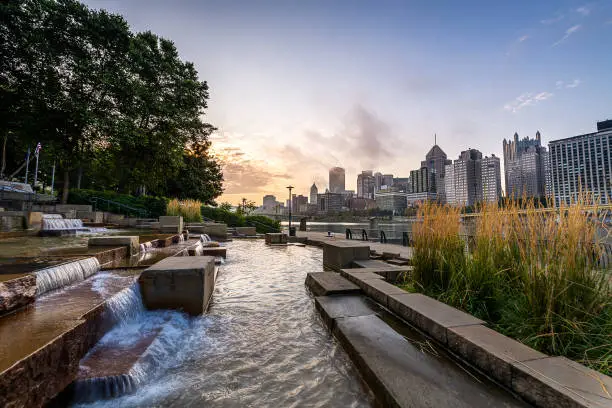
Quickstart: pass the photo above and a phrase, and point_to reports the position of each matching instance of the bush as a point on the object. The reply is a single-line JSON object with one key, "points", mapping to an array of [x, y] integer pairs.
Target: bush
{"points": [[532, 274], [188, 209], [152, 206], [261, 223]]}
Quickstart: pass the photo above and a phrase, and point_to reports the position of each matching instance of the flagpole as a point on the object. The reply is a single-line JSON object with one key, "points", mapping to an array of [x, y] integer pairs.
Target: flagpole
{"points": [[27, 165], [36, 173], [52, 178]]}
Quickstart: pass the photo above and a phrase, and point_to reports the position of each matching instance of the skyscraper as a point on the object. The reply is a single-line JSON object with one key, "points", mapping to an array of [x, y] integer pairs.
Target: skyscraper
{"points": [[366, 184], [491, 179], [525, 167], [465, 186], [582, 163], [313, 193], [436, 161], [336, 180]]}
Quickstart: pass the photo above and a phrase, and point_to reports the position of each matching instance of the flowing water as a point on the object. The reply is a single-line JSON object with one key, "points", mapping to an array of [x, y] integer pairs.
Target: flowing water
{"points": [[262, 343], [57, 277], [61, 224]]}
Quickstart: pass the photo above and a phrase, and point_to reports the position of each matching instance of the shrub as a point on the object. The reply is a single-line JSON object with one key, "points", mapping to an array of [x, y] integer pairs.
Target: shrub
{"points": [[188, 209], [151, 206], [261, 223], [532, 274]]}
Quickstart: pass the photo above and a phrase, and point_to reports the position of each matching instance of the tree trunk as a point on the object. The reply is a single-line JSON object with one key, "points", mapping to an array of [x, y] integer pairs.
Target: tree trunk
{"points": [[3, 157], [79, 176], [66, 187]]}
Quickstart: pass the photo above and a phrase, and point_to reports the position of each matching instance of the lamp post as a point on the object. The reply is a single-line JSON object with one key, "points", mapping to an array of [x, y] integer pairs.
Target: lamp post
{"points": [[290, 187]]}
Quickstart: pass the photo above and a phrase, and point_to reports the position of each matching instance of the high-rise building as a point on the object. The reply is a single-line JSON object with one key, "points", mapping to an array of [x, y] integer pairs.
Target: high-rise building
{"points": [[336, 180], [465, 188], [329, 203], [525, 167], [423, 180], [436, 161], [491, 179], [392, 201], [378, 181], [269, 202], [387, 181], [366, 184], [313, 193], [401, 184], [582, 164]]}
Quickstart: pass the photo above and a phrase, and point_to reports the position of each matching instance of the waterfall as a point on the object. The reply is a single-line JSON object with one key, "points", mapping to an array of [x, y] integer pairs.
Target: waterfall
{"points": [[52, 216], [125, 306], [59, 276], [205, 238], [145, 247], [61, 224]]}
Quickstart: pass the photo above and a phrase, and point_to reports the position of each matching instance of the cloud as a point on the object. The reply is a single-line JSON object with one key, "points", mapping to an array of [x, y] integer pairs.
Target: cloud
{"points": [[559, 84], [568, 33], [574, 83], [552, 20], [523, 38], [584, 10], [526, 99]]}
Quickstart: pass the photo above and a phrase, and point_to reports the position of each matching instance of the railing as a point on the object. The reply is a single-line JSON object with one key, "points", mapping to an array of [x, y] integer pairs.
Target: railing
{"points": [[265, 227], [128, 210], [381, 236]]}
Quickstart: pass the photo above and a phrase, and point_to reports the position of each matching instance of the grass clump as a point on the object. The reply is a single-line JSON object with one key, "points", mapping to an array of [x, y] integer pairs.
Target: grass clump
{"points": [[190, 210], [533, 274]]}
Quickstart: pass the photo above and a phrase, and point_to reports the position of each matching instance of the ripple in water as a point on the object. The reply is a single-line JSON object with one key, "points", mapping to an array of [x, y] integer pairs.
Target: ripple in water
{"points": [[262, 343]]}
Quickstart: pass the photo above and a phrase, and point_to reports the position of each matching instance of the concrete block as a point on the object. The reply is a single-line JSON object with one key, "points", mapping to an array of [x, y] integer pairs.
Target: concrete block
{"points": [[132, 242], [490, 351], [379, 290], [16, 291], [110, 218], [61, 208], [357, 275], [335, 307], [429, 315], [171, 224], [213, 230], [341, 254], [91, 216], [185, 282], [401, 375], [276, 238], [34, 219], [388, 272], [248, 231], [560, 382], [329, 283]]}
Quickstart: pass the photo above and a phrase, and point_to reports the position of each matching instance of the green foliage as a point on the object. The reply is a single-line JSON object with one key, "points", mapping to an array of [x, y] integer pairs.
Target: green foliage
{"points": [[116, 110], [190, 210], [225, 206], [532, 275], [262, 223], [155, 206]]}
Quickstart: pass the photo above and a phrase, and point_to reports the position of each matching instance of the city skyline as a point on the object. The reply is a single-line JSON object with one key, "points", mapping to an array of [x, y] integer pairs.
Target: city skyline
{"points": [[302, 88]]}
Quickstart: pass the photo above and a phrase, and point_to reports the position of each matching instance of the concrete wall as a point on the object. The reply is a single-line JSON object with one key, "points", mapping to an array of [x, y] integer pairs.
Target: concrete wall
{"points": [[91, 216], [248, 231], [171, 224], [341, 254]]}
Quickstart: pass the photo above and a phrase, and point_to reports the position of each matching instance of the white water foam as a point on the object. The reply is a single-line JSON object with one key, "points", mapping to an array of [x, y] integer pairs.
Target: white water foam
{"points": [[58, 276], [61, 224]]}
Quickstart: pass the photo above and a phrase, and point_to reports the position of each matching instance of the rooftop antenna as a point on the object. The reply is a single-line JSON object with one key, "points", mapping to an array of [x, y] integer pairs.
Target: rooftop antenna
{"points": [[435, 139]]}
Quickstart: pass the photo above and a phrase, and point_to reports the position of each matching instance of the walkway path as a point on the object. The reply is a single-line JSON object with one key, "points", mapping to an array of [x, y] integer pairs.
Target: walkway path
{"points": [[405, 252]]}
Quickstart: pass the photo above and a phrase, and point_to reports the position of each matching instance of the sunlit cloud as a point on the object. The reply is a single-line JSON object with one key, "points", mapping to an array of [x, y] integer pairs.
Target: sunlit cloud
{"points": [[574, 83], [568, 33], [526, 99]]}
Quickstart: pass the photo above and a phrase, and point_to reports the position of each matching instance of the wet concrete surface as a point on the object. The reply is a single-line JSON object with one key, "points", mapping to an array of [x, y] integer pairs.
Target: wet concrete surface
{"points": [[22, 265]]}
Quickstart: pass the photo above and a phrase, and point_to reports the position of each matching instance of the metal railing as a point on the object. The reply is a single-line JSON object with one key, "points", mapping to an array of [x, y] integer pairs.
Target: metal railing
{"points": [[381, 236], [264, 227], [123, 208]]}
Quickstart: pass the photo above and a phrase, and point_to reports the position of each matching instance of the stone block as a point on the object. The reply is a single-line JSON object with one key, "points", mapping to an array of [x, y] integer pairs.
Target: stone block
{"points": [[335, 307], [329, 283], [132, 242], [91, 216], [357, 275], [247, 231], [16, 291], [341, 254], [490, 351], [276, 238], [379, 290], [429, 315], [62, 208], [171, 224], [560, 382], [185, 283], [34, 219], [110, 218], [213, 230]]}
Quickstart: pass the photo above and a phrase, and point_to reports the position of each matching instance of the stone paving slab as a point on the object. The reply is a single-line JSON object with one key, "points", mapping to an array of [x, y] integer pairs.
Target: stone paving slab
{"points": [[560, 382], [429, 315], [490, 351], [378, 289], [401, 375], [329, 283], [357, 275], [334, 307]]}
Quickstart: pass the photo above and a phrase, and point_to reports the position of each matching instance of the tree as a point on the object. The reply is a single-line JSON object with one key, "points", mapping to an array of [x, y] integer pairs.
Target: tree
{"points": [[225, 206]]}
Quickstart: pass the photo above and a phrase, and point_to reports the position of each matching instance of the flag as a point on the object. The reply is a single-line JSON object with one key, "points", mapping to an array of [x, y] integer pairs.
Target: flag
{"points": [[37, 151]]}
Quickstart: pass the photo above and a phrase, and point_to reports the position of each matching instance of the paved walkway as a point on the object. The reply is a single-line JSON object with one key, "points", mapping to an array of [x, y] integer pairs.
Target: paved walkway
{"points": [[405, 252]]}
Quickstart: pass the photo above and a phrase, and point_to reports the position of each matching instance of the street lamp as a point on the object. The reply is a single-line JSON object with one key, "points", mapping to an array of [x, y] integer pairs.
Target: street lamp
{"points": [[290, 187]]}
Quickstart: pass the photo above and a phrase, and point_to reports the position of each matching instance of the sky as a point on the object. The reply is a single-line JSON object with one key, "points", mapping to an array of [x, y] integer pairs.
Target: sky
{"points": [[298, 87]]}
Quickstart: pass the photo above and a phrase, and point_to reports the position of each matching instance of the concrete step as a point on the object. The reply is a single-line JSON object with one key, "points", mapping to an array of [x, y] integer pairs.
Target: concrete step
{"points": [[330, 283], [398, 262]]}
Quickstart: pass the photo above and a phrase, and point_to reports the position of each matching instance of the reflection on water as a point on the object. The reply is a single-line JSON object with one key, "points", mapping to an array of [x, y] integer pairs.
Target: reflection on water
{"points": [[261, 345]]}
